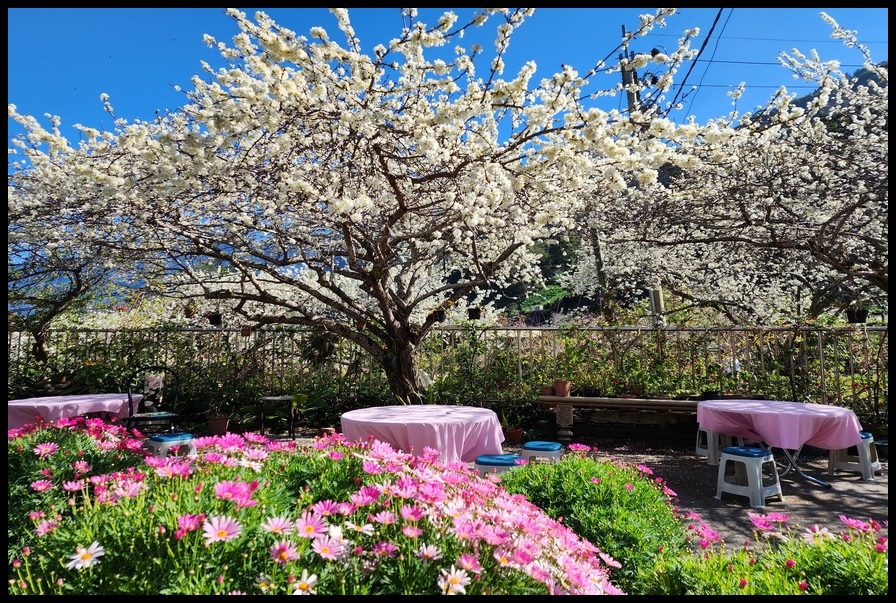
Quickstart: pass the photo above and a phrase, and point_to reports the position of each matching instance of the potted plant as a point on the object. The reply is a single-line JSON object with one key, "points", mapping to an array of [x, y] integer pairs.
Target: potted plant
{"points": [[217, 424], [219, 415], [190, 309], [857, 314], [511, 423], [514, 435]]}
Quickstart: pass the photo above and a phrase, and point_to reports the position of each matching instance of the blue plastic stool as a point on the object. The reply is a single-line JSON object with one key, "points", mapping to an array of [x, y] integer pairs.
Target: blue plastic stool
{"points": [[496, 463], [551, 451], [755, 474], [162, 443]]}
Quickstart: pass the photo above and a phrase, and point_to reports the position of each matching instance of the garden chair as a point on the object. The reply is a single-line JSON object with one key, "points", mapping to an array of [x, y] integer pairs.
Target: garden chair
{"points": [[156, 412]]}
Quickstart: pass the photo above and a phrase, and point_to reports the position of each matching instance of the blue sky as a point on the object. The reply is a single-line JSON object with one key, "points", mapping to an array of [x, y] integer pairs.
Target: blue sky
{"points": [[61, 60]]}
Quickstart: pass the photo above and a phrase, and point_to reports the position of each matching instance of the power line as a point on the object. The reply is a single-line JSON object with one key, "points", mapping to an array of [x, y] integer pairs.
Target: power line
{"points": [[699, 54], [785, 40]]}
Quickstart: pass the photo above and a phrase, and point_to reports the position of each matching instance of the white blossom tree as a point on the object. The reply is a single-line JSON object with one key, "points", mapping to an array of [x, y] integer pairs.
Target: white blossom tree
{"points": [[781, 213], [338, 189]]}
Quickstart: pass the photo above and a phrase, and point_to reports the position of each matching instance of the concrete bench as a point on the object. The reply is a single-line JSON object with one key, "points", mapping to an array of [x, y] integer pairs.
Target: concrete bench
{"points": [[564, 406]]}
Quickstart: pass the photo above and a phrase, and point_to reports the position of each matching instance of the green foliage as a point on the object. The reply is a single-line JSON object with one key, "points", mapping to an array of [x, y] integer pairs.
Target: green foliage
{"points": [[545, 297], [527, 413], [474, 365], [616, 506], [785, 562], [468, 368], [80, 482]]}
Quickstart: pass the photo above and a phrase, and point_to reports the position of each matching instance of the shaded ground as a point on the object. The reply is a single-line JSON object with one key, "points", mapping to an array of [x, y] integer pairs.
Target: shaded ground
{"points": [[665, 442]]}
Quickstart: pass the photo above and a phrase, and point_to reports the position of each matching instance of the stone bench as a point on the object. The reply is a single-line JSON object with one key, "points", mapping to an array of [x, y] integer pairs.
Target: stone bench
{"points": [[564, 406]]}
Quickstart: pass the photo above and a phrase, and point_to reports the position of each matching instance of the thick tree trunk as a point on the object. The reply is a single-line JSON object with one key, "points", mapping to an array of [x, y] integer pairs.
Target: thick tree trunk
{"points": [[40, 348], [400, 365]]}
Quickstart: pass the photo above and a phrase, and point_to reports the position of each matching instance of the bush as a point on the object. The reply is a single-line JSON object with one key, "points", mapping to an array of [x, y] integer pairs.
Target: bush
{"points": [[785, 561], [619, 507], [88, 514], [66, 453], [628, 514]]}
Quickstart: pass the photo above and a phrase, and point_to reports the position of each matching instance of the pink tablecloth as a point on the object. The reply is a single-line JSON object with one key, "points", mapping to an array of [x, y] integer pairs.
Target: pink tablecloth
{"points": [[459, 433], [52, 408], [782, 424]]}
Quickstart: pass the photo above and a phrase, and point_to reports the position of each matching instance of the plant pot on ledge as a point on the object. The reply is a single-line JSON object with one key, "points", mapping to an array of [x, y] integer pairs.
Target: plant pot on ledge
{"points": [[562, 387], [856, 314]]}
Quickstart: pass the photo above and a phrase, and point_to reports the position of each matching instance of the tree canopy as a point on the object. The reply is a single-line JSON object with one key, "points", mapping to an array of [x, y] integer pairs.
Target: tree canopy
{"points": [[308, 183]]}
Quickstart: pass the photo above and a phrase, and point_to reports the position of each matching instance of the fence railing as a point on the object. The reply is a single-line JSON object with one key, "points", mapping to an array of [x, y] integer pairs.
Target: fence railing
{"points": [[845, 366]]}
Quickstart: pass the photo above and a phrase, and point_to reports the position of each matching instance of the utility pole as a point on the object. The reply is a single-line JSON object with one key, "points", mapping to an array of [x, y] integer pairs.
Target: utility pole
{"points": [[629, 81], [629, 77]]}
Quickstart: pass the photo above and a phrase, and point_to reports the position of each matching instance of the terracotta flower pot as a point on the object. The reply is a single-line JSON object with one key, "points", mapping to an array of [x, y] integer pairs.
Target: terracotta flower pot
{"points": [[562, 387], [514, 435], [218, 425]]}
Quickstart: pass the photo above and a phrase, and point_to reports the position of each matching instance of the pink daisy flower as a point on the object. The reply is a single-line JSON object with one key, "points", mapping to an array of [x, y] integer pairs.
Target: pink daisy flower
{"points": [[310, 525], [283, 552], [42, 485], [221, 529], [325, 508], [45, 449], [277, 525], [328, 547], [429, 552]]}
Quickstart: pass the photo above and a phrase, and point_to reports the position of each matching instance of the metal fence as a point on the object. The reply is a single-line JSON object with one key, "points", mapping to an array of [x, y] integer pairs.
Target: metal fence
{"points": [[845, 366]]}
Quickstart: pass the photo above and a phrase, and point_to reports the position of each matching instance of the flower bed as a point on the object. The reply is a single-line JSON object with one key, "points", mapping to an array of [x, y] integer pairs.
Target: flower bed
{"points": [[90, 513]]}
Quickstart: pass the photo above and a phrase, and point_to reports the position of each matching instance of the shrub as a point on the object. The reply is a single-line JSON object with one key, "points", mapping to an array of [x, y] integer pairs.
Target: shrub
{"points": [[784, 561], [69, 452], [619, 507], [88, 514]]}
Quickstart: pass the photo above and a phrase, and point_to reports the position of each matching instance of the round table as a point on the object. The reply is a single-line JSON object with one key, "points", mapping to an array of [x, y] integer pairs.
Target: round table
{"points": [[459, 433], [783, 424], [52, 408]]}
